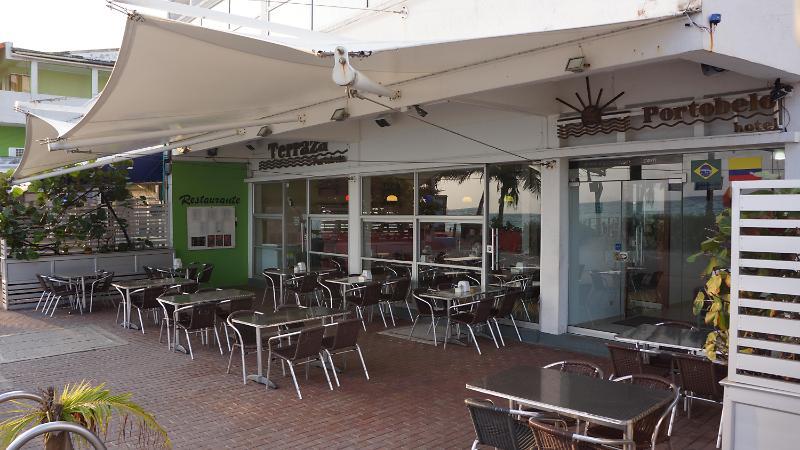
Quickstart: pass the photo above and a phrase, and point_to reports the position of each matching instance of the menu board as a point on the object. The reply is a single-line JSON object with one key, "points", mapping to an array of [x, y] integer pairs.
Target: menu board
{"points": [[211, 227]]}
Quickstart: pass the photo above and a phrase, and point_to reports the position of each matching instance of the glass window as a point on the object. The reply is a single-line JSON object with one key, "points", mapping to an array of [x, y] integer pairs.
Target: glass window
{"points": [[317, 262], [388, 194], [388, 240], [451, 192], [268, 198], [267, 250], [328, 196], [328, 236], [515, 213], [451, 243]]}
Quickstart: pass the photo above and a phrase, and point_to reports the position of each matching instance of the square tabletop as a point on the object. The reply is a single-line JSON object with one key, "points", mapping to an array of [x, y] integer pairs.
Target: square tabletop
{"points": [[148, 283], [453, 294], [592, 399], [215, 296], [675, 337], [288, 316], [360, 280]]}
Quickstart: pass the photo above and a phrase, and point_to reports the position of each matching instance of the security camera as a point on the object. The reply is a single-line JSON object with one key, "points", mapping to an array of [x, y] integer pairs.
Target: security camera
{"points": [[383, 121]]}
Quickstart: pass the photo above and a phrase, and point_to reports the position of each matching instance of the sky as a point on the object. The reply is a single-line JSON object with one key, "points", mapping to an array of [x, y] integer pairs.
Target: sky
{"points": [[54, 25]]}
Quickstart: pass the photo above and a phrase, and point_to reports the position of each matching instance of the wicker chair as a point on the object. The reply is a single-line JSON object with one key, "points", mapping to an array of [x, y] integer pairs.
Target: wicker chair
{"points": [[506, 309], [397, 293], [549, 437], [244, 337], [577, 367], [306, 349], [226, 308], [625, 360], [699, 381], [196, 319], [363, 296], [479, 315], [498, 427], [344, 340], [146, 300], [301, 287], [648, 431], [45, 297], [332, 290], [273, 286]]}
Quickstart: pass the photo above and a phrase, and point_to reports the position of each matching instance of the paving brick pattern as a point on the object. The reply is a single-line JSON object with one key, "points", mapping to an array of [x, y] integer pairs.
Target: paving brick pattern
{"points": [[413, 400]]}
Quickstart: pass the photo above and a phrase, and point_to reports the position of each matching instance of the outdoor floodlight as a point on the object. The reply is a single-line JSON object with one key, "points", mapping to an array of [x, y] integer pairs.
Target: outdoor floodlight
{"points": [[264, 131], [420, 112], [383, 121], [576, 65], [340, 115]]}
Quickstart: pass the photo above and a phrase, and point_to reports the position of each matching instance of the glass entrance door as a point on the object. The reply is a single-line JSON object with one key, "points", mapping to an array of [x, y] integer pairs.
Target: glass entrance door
{"points": [[621, 234]]}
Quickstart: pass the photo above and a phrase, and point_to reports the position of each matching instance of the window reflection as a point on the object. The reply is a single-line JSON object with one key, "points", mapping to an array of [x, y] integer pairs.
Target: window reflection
{"points": [[388, 240], [451, 243], [388, 194], [328, 196], [268, 198], [328, 236], [451, 192]]}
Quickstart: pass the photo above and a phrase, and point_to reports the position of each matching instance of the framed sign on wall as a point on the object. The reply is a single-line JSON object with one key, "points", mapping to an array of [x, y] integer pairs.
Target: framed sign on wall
{"points": [[211, 227]]}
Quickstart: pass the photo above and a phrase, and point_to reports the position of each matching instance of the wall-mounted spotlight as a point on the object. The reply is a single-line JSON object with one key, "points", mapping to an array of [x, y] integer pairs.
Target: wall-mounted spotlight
{"points": [[420, 112], [340, 115], [576, 65], [383, 121], [779, 90], [250, 147], [264, 131], [212, 152]]}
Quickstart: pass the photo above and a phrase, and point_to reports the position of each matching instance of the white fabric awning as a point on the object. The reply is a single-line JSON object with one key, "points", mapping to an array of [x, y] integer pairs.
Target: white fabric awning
{"points": [[174, 80]]}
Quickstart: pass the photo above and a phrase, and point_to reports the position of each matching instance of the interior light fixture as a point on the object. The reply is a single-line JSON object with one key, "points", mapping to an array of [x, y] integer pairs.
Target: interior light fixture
{"points": [[420, 112], [466, 199], [779, 155], [340, 115], [576, 64], [391, 198], [264, 131]]}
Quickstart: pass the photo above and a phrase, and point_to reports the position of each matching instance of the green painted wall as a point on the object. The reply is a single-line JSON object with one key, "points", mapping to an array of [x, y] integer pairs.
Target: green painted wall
{"points": [[75, 83], [11, 137], [212, 180]]}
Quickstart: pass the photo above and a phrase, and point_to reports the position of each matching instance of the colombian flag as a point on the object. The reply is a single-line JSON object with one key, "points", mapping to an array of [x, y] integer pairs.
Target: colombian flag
{"points": [[744, 169]]}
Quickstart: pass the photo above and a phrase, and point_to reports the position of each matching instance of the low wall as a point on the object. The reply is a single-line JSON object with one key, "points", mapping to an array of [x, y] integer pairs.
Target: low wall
{"points": [[20, 288], [760, 418]]}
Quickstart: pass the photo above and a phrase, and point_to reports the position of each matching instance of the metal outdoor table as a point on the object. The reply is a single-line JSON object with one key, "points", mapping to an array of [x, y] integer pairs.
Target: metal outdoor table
{"points": [[282, 317], [197, 298], [451, 296], [665, 338], [595, 400], [79, 281], [125, 288], [284, 274]]}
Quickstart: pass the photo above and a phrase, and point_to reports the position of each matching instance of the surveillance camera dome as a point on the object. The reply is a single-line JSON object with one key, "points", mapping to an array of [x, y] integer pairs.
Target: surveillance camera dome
{"points": [[383, 121]]}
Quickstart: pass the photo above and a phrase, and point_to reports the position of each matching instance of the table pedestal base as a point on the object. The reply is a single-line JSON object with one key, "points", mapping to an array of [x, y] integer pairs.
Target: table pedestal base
{"points": [[260, 379]]}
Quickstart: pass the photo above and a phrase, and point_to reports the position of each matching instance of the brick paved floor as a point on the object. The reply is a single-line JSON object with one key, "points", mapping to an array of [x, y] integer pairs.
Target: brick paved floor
{"points": [[413, 400]]}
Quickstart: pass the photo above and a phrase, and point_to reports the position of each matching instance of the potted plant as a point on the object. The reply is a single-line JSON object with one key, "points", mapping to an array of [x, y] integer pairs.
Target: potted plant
{"points": [[92, 407]]}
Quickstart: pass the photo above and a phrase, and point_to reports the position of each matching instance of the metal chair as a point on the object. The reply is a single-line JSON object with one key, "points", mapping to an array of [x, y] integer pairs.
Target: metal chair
{"points": [[99, 286], [146, 299], [200, 319], [498, 427], [149, 272], [273, 285], [648, 431], [478, 316], [625, 360], [333, 290], [306, 349], [505, 309], [676, 324], [699, 381], [426, 308], [302, 286], [226, 308], [344, 340], [46, 293], [60, 288], [244, 337], [577, 367], [363, 296], [397, 292], [204, 274], [547, 436]]}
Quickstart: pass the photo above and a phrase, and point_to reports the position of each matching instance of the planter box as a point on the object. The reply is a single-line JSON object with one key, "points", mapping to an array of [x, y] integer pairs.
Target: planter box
{"points": [[759, 418], [20, 288]]}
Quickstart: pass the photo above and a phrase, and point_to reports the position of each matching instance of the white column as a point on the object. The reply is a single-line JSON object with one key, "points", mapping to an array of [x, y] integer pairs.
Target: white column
{"points": [[95, 83], [555, 247], [792, 162], [34, 77], [354, 225]]}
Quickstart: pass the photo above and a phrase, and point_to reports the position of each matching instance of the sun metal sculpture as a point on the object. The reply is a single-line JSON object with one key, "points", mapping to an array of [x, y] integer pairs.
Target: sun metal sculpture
{"points": [[591, 114]]}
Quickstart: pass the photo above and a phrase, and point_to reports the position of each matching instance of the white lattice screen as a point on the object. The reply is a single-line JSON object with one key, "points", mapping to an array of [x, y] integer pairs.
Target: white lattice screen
{"points": [[765, 286]]}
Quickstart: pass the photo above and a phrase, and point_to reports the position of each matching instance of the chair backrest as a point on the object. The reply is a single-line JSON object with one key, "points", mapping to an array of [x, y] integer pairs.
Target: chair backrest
{"points": [[698, 376], [645, 428], [246, 334], [370, 295], [202, 316], [191, 271], [240, 304], [334, 290], [204, 275], [424, 304], [676, 324], [42, 282], [507, 302], [309, 342], [496, 427], [577, 367], [105, 282], [625, 360], [400, 289], [549, 437], [150, 297], [149, 272], [307, 283], [346, 334], [482, 310]]}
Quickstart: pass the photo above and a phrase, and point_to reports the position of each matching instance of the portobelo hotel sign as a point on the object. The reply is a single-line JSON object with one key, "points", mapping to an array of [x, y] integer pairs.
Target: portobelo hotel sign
{"points": [[747, 113], [301, 154]]}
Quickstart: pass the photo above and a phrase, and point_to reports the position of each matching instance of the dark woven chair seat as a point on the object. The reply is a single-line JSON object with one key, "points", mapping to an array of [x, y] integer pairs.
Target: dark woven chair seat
{"points": [[603, 432], [464, 317], [285, 352]]}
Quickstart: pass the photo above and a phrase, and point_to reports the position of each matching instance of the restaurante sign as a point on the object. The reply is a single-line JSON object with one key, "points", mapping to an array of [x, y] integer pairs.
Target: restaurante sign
{"points": [[304, 153]]}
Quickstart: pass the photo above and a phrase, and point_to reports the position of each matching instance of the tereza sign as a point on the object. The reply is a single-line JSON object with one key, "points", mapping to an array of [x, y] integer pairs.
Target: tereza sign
{"points": [[747, 113], [304, 153]]}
